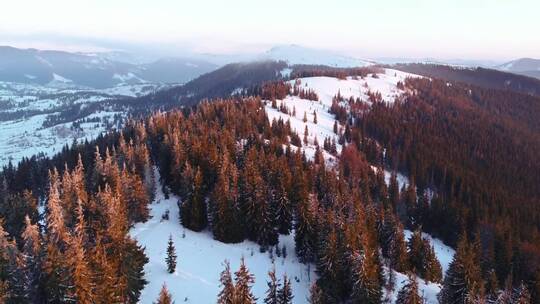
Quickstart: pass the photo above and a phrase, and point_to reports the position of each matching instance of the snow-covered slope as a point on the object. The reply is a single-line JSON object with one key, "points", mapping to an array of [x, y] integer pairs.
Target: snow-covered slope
{"points": [[326, 88], [524, 66], [42, 119], [200, 259], [295, 54]]}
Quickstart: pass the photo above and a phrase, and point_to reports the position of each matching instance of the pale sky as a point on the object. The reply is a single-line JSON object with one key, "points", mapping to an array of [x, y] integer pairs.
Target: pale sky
{"points": [[467, 29]]}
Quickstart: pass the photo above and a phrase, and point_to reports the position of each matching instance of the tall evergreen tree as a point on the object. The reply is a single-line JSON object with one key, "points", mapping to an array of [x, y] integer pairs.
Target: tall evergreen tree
{"points": [[315, 295], [408, 294], [31, 254], [78, 260], [171, 256], [11, 275], [393, 243], [273, 288], [243, 281], [285, 295], [463, 280], [164, 296], [227, 295], [365, 277]]}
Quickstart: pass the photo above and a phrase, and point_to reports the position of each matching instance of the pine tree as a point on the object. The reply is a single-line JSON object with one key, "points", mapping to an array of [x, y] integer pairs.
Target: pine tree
{"points": [[243, 282], [423, 259], [224, 206], [273, 288], [314, 117], [315, 295], [306, 133], [305, 237], [365, 277], [193, 214], [12, 283], [393, 191], [463, 280], [409, 292], [335, 127], [171, 256], [58, 279], [283, 206], [305, 117], [164, 296], [521, 295], [393, 242], [285, 295], [227, 295], [78, 260], [31, 254]]}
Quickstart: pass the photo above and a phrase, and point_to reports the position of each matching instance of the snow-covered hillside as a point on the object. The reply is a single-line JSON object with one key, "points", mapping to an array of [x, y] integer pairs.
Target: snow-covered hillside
{"points": [[200, 259], [326, 88], [42, 119]]}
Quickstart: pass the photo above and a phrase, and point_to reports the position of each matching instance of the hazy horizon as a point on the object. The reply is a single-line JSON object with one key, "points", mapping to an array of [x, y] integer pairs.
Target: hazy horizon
{"points": [[484, 30]]}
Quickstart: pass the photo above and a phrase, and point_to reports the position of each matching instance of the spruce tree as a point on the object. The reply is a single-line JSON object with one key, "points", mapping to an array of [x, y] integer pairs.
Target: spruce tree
{"points": [[227, 295], [78, 260], [521, 295], [365, 277], [243, 282], [393, 191], [463, 280], [409, 292], [285, 295], [171, 256], [164, 296], [315, 295], [31, 254], [393, 243], [273, 288], [11, 275]]}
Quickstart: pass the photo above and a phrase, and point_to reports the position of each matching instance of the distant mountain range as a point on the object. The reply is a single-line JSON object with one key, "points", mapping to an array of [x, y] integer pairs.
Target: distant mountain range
{"points": [[93, 70], [118, 68], [295, 54], [524, 66]]}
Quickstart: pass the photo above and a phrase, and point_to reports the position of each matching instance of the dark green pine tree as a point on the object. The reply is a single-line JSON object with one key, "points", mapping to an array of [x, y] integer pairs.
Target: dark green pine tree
{"points": [[193, 208], [411, 203], [285, 295], [365, 278], [281, 201], [171, 256], [521, 295], [409, 292], [226, 222], [462, 281], [305, 237], [11, 276], [31, 253], [330, 267], [315, 295], [393, 243], [273, 288], [134, 261], [423, 259], [393, 191]]}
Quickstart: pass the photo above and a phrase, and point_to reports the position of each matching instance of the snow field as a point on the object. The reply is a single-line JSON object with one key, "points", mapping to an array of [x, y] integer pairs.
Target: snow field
{"points": [[200, 259]]}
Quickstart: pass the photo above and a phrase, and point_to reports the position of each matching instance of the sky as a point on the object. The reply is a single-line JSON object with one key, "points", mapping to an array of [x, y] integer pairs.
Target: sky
{"points": [[446, 29]]}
